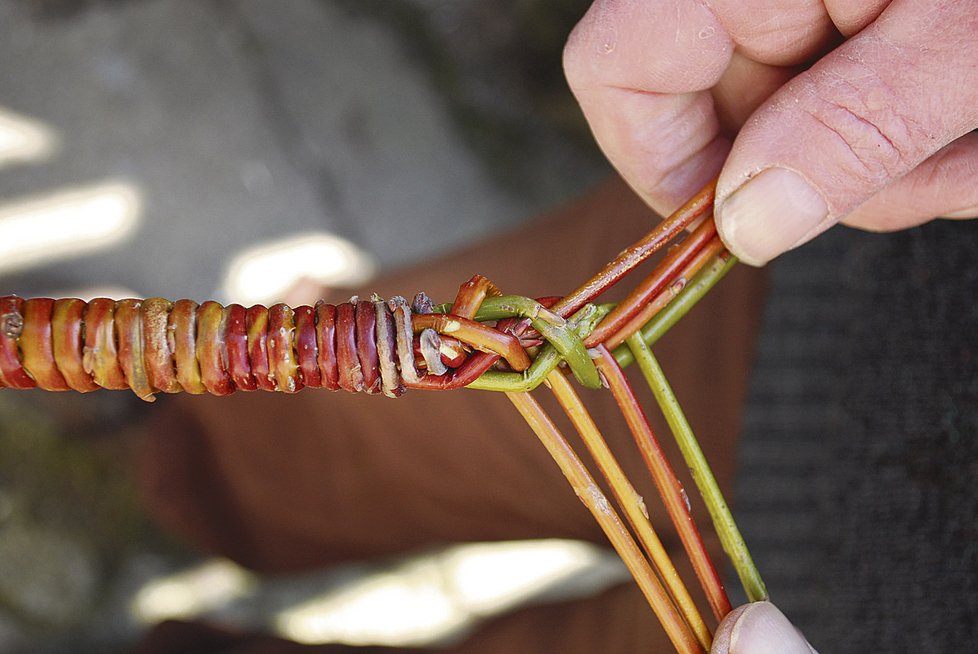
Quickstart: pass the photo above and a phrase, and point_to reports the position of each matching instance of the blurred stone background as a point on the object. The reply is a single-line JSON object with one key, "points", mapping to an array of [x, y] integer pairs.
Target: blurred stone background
{"points": [[146, 146]]}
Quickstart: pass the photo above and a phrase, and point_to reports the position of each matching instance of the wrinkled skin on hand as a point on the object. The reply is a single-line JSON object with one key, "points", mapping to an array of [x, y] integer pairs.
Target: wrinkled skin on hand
{"points": [[812, 112]]}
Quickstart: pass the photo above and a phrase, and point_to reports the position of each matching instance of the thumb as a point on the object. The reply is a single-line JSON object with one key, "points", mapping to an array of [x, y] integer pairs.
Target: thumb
{"points": [[758, 628], [863, 116]]}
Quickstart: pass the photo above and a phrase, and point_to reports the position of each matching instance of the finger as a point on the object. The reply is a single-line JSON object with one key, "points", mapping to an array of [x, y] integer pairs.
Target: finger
{"points": [[850, 17], [669, 46], [744, 86], [944, 185], [778, 32], [640, 71], [758, 628], [866, 114]]}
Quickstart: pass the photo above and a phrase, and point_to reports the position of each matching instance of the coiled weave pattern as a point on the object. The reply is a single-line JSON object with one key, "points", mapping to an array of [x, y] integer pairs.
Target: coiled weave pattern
{"points": [[156, 345]]}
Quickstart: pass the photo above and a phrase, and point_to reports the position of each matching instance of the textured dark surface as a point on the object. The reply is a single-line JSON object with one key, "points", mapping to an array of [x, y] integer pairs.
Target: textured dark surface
{"points": [[860, 456]]}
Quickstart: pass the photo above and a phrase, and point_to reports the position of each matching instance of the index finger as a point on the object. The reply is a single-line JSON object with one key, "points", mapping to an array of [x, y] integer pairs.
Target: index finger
{"points": [[641, 72]]}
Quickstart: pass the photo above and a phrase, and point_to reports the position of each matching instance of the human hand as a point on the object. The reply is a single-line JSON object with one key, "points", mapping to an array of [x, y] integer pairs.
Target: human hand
{"points": [[758, 628], [874, 134]]}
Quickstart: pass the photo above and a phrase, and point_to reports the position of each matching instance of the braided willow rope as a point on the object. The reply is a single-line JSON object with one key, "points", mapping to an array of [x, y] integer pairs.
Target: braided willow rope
{"points": [[482, 340], [370, 346], [155, 345]]}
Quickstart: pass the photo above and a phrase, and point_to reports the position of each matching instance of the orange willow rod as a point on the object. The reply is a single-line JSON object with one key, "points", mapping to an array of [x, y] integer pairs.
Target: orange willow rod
{"points": [[697, 208], [713, 248], [659, 280], [670, 490]]}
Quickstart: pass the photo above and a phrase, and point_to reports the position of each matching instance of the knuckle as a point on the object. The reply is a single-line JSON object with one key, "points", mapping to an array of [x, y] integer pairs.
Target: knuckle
{"points": [[866, 124], [633, 45], [774, 36]]}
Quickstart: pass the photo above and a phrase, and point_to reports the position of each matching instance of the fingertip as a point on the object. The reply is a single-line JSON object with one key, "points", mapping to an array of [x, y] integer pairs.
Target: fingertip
{"points": [[759, 628], [721, 639], [772, 212], [851, 17]]}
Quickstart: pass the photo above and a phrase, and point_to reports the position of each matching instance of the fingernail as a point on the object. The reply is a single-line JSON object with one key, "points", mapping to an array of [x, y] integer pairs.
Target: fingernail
{"points": [[773, 212], [763, 629]]}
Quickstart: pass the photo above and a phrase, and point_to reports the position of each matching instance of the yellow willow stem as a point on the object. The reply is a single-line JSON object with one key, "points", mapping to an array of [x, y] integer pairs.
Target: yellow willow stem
{"points": [[590, 494], [723, 522], [630, 501]]}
